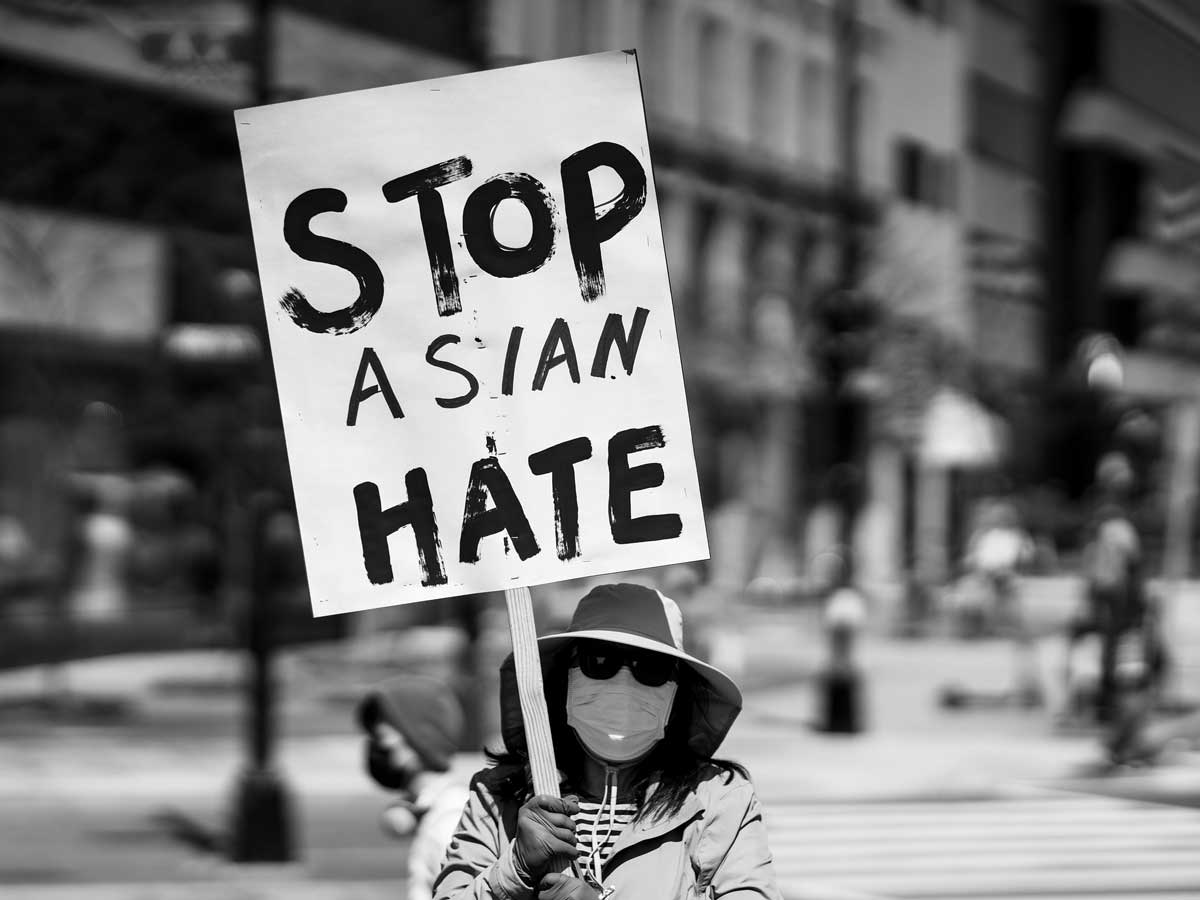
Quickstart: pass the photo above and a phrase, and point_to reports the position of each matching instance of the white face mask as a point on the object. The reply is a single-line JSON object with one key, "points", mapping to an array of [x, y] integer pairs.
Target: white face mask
{"points": [[618, 719]]}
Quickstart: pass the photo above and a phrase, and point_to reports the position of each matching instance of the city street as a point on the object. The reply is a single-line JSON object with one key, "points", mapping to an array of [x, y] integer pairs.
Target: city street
{"points": [[926, 803], [346, 347]]}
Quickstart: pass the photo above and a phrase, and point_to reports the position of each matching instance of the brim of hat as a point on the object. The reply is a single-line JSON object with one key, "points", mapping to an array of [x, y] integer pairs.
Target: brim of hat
{"points": [[722, 685]]}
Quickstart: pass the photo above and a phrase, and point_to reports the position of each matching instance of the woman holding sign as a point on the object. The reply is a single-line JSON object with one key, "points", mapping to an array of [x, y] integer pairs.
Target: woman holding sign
{"points": [[646, 811]]}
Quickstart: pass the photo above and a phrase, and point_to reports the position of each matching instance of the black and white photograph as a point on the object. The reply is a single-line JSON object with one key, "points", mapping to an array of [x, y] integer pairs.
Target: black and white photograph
{"points": [[599, 449]]}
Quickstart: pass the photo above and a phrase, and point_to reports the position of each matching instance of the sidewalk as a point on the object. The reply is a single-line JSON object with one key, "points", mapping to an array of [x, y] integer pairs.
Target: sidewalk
{"points": [[89, 811]]}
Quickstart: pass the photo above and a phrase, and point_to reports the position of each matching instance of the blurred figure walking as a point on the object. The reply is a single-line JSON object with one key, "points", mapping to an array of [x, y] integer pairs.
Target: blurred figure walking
{"points": [[1114, 610]]}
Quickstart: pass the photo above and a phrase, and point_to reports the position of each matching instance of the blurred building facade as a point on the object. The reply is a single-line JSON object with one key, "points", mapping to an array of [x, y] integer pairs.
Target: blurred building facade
{"points": [[1122, 260], [122, 217], [1010, 176], [743, 112]]}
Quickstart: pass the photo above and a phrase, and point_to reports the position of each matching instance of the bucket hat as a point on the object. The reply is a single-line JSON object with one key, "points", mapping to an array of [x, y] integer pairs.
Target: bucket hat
{"points": [[633, 616]]}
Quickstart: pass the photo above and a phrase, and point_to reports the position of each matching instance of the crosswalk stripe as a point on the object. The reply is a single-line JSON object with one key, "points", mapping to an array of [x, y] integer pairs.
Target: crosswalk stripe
{"points": [[1018, 882], [1025, 859], [889, 818], [1032, 848], [955, 831], [1121, 895], [1000, 803], [993, 845]]}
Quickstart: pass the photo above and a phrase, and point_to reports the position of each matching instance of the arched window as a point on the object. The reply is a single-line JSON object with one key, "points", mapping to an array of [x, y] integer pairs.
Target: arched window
{"points": [[712, 69]]}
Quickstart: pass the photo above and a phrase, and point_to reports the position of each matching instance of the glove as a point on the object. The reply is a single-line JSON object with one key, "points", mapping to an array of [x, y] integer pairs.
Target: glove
{"points": [[545, 838], [557, 886]]}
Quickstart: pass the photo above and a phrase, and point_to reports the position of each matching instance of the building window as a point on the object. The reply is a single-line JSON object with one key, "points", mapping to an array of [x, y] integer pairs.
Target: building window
{"points": [[908, 171], [814, 112], [869, 142], [1003, 125], [712, 50], [582, 26], [925, 178], [653, 46], [766, 102]]}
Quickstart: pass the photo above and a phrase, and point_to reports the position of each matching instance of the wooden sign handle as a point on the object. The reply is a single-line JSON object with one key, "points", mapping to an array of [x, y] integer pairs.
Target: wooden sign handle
{"points": [[529, 685]]}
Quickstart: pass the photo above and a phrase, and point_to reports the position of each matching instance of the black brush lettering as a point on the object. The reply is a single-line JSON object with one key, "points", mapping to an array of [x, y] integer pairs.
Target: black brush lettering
{"points": [[472, 382], [361, 391], [479, 521], [627, 344], [559, 461], [479, 228], [585, 230], [624, 480], [424, 184], [558, 336], [298, 235], [376, 524]]}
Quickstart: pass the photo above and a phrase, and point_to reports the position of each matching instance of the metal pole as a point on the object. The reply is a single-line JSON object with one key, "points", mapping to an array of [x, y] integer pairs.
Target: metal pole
{"points": [[846, 411], [846, 69], [262, 822]]}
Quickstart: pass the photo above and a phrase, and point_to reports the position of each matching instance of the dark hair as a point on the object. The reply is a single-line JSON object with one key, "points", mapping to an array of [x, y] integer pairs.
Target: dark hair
{"points": [[673, 765]]}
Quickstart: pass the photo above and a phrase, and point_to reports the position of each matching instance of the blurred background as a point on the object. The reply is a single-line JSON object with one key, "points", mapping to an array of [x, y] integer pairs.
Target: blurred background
{"points": [[934, 268]]}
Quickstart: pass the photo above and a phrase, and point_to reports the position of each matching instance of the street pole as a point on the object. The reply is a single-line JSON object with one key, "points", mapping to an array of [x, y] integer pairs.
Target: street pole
{"points": [[846, 412], [261, 829]]}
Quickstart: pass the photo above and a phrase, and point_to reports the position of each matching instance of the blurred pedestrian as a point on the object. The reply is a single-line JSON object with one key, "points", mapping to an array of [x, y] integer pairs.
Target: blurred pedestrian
{"points": [[1140, 669], [646, 810], [999, 551], [99, 550], [996, 553], [1114, 601], [413, 725], [18, 559]]}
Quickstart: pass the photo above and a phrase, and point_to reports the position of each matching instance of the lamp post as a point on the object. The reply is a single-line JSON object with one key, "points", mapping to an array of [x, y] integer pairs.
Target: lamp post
{"points": [[845, 313], [229, 357]]}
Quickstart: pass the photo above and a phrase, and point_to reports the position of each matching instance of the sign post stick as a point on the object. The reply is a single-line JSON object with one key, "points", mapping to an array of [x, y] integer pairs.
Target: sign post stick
{"points": [[529, 687]]}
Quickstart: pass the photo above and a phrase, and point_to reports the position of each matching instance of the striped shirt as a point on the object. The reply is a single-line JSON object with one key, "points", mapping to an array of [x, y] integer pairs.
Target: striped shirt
{"points": [[596, 833]]}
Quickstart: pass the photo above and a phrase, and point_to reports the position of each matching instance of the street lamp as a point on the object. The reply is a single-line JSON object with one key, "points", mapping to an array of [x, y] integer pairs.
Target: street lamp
{"points": [[231, 355], [1100, 357]]}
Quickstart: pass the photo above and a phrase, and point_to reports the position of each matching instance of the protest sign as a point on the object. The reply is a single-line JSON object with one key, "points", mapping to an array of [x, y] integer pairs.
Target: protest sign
{"points": [[472, 332]]}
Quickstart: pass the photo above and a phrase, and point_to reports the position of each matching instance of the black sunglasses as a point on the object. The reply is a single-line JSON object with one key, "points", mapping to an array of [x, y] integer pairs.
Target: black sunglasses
{"points": [[602, 661]]}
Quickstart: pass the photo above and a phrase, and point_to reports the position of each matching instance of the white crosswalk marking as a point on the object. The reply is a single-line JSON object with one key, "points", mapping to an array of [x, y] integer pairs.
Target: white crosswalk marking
{"points": [[1038, 847]]}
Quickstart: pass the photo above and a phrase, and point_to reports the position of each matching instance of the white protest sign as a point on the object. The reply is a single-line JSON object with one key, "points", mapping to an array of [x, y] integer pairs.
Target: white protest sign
{"points": [[471, 325]]}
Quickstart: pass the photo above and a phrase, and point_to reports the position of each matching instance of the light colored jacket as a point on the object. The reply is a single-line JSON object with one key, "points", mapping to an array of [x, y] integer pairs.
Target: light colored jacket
{"points": [[440, 802], [714, 847]]}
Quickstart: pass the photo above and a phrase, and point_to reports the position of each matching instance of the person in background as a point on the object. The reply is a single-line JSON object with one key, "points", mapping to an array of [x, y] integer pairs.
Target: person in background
{"points": [[1113, 602], [646, 810], [998, 552], [413, 725]]}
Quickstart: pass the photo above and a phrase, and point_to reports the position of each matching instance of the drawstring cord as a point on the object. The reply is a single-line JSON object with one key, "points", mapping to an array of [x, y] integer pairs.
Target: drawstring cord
{"points": [[610, 779]]}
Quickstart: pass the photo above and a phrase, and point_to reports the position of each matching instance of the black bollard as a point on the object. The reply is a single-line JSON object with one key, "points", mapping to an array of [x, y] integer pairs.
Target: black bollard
{"points": [[840, 684]]}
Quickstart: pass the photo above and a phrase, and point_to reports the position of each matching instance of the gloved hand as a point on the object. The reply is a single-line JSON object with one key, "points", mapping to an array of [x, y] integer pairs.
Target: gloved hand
{"points": [[545, 840], [557, 886]]}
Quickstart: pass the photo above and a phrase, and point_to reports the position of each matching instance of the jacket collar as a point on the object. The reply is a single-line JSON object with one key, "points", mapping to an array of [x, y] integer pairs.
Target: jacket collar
{"points": [[643, 830]]}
